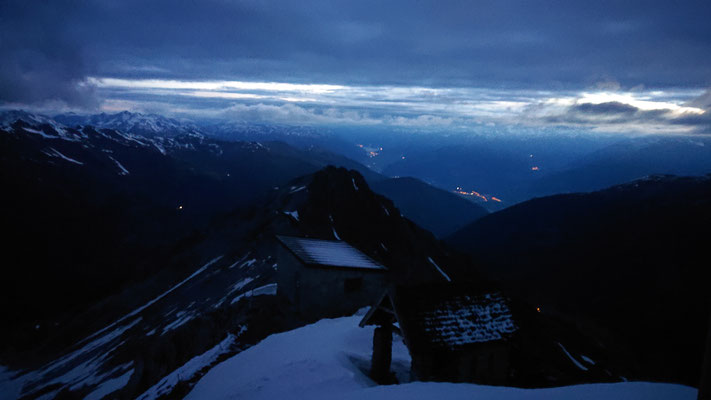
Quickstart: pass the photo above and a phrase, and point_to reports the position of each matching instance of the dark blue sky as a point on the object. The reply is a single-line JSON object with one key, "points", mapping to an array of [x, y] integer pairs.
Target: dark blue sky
{"points": [[485, 62]]}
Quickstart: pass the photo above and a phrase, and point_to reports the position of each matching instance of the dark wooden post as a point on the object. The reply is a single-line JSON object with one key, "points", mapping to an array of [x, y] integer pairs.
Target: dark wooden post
{"points": [[382, 353], [705, 382]]}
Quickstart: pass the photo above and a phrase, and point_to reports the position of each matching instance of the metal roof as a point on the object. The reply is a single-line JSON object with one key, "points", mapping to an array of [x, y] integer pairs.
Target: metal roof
{"points": [[332, 253]]}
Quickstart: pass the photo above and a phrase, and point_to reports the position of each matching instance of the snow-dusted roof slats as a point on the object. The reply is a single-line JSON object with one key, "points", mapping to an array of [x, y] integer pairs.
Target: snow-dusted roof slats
{"points": [[465, 320], [453, 317], [330, 253]]}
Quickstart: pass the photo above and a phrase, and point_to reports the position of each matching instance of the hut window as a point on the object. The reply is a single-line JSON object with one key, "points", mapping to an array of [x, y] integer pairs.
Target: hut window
{"points": [[352, 285]]}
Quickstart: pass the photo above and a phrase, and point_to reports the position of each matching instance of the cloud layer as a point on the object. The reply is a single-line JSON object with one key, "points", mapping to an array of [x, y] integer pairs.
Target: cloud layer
{"points": [[639, 111], [432, 62]]}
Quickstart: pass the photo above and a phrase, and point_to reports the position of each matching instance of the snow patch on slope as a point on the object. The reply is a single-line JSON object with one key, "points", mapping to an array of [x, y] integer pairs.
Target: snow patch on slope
{"points": [[181, 318], [155, 299], [266, 290], [293, 214], [55, 153], [109, 386], [123, 170], [188, 370], [587, 360], [576, 362], [439, 269], [38, 132]]}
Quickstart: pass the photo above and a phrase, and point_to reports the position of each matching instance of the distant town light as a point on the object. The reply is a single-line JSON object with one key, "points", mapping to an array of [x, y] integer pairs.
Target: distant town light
{"points": [[534, 168], [483, 197]]}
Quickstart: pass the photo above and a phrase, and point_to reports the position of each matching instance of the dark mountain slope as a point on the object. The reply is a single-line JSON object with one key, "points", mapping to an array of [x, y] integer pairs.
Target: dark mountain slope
{"points": [[94, 209], [627, 262], [436, 210], [91, 210], [433, 209], [208, 287], [111, 282], [218, 296]]}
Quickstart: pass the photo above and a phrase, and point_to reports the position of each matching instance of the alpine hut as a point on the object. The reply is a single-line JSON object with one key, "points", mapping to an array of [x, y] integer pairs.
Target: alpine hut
{"points": [[330, 278]]}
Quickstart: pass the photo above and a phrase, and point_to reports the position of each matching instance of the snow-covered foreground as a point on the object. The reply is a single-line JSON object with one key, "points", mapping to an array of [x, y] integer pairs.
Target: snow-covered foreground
{"points": [[329, 359], [457, 391], [315, 360]]}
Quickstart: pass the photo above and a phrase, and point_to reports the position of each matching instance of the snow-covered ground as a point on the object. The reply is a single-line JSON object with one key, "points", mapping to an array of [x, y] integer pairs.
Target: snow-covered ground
{"points": [[329, 359]]}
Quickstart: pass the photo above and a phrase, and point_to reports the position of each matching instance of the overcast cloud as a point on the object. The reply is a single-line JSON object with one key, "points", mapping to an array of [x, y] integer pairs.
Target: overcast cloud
{"points": [[430, 62]]}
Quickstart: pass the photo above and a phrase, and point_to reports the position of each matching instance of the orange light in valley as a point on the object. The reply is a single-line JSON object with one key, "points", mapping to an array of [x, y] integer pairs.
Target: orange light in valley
{"points": [[459, 190], [534, 168], [538, 309], [371, 151], [496, 199]]}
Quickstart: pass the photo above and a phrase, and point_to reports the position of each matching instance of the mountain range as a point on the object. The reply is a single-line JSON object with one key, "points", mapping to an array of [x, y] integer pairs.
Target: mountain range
{"points": [[141, 245]]}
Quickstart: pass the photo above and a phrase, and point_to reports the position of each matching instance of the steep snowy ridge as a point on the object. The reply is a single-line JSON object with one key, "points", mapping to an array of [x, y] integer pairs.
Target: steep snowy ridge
{"points": [[8, 118], [48, 134], [134, 123], [99, 362]]}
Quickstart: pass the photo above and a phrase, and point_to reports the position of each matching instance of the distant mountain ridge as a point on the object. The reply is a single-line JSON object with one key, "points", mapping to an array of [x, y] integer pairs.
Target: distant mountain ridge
{"points": [[130, 122], [629, 160]]}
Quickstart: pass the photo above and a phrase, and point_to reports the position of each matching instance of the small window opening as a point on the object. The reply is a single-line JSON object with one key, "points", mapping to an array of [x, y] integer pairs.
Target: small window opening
{"points": [[352, 285]]}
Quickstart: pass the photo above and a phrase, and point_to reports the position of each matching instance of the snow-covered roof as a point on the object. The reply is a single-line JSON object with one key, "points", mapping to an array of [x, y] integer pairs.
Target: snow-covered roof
{"points": [[331, 253], [466, 319], [450, 317]]}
